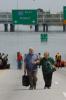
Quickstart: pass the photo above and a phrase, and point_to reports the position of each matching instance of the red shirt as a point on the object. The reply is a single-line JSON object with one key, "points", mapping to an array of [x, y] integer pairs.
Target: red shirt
{"points": [[19, 57]]}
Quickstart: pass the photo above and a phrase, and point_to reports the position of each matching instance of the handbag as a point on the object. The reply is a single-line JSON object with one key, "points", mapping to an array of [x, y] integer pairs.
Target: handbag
{"points": [[53, 69], [25, 80], [50, 67]]}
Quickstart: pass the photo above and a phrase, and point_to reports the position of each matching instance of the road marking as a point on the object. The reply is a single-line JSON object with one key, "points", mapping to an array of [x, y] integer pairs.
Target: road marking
{"points": [[64, 93], [56, 83]]}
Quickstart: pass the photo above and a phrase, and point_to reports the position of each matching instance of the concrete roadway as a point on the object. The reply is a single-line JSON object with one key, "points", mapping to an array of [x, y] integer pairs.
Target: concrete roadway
{"points": [[11, 86]]}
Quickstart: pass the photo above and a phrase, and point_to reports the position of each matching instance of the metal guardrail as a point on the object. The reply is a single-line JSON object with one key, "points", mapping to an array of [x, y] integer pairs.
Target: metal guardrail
{"points": [[52, 19], [5, 17]]}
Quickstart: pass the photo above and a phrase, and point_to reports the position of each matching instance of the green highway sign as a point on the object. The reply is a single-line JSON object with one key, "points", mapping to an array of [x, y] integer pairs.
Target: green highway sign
{"points": [[44, 37], [64, 12], [26, 17]]}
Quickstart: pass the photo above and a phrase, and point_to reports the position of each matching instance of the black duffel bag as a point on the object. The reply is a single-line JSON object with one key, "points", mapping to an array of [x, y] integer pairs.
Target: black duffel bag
{"points": [[25, 80]]}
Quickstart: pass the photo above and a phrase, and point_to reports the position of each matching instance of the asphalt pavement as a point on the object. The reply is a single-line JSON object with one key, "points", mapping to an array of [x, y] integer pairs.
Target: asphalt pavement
{"points": [[11, 86]]}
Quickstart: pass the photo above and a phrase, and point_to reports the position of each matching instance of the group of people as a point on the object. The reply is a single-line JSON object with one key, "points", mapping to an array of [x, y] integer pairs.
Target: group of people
{"points": [[4, 61], [31, 63]]}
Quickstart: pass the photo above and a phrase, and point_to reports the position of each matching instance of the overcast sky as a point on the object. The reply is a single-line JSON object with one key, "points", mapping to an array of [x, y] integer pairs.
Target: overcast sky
{"points": [[52, 5]]}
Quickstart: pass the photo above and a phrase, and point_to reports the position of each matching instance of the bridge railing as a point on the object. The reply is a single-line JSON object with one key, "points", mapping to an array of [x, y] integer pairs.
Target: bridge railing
{"points": [[5, 17], [41, 18]]}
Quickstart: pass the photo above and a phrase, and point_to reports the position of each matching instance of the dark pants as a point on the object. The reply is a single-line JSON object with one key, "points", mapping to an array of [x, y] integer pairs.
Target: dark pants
{"points": [[47, 79], [32, 78], [19, 64], [58, 63]]}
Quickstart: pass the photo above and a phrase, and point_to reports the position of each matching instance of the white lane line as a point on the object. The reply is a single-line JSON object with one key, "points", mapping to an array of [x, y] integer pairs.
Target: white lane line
{"points": [[64, 93], [56, 83]]}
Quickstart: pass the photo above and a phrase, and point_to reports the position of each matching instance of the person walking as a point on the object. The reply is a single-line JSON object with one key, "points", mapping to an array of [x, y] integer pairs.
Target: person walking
{"points": [[30, 67], [47, 69], [58, 60], [19, 60]]}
